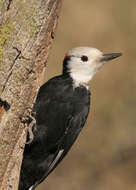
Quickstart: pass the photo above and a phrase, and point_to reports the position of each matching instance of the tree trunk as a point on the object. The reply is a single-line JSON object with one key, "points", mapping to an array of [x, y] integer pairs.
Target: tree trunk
{"points": [[27, 30]]}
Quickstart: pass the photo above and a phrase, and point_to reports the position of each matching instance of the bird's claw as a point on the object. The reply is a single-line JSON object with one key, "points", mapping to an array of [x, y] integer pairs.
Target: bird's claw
{"points": [[29, 122]]}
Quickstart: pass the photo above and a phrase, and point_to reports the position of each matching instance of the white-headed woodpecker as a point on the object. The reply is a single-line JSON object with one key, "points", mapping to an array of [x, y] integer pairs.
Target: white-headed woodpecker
{"points": [[61, 110]]}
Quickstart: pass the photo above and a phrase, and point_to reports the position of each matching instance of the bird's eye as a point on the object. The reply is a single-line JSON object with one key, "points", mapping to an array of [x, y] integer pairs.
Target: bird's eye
{"points": [[84, 58]]}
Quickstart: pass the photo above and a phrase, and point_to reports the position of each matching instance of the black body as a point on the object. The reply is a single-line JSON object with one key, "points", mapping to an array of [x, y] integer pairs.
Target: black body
{"points": [[61, 112]]}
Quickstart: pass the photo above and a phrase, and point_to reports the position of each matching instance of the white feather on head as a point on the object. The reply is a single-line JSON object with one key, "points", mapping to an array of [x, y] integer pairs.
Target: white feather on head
{"points": [[83, 71]]}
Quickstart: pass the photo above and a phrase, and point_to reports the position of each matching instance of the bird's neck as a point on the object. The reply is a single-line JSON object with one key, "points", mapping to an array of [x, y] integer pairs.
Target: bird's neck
{"points": [[76, 79], [80, 79], [79, 76]]}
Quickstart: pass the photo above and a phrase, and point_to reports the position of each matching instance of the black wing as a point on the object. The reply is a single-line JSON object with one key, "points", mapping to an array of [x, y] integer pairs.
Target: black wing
{"points": [[60, 117], [63, 145]]}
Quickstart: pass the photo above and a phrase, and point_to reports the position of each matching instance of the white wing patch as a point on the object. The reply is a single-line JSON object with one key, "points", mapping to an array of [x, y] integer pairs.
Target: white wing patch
{"points": [[31, 188], [56, 159], [50, 167]]}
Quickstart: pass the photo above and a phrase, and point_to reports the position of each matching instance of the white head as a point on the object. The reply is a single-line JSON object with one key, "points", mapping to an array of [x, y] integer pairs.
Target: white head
{"points": [[82, 63]]}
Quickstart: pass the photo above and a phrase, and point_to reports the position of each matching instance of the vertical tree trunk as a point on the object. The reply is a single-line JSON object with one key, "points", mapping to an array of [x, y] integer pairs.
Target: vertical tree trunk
{"points": [[27, 30]]}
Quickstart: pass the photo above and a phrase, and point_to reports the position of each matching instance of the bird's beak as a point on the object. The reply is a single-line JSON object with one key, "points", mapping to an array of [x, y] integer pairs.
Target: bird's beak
{"points": [[110, 56]]}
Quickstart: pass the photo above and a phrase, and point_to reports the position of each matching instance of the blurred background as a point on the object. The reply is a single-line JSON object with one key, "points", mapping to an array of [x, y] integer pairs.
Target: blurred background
{"points": [[104, 155]]}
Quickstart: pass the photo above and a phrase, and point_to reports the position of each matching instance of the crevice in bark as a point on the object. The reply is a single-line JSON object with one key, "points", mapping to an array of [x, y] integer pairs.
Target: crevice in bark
{"points": [[19, 55], [9, 3], [4, 104]]}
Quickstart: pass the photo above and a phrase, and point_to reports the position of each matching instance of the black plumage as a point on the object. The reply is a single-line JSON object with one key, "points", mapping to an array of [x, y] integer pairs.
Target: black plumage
{"points": [[61, 112]]}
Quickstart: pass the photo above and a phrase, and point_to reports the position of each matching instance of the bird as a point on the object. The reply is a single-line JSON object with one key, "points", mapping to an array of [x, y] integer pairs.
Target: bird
{"points": [[61, 110]]}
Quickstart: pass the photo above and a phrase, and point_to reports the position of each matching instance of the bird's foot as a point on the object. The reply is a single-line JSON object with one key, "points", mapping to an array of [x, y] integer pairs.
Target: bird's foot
{"points": [[29, 122], [31, 128]]}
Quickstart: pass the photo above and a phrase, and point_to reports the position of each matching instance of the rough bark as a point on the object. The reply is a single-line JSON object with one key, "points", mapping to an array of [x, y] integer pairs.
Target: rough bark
{"points": [[27, 30]]}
